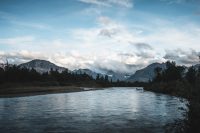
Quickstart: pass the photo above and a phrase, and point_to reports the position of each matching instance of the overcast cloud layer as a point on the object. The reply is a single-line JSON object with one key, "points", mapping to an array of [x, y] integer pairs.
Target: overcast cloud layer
{"points": [[118, 35]]}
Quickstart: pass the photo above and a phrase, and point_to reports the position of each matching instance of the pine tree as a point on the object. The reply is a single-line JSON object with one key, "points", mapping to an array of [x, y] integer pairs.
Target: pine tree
{"points": [[191, 75]]}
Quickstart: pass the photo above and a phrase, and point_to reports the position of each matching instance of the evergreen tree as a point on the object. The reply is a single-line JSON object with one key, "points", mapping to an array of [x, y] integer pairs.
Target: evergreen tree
{"points": [[158, 73], [1, 75], [97, 77], [106, 78], [191, 75]]}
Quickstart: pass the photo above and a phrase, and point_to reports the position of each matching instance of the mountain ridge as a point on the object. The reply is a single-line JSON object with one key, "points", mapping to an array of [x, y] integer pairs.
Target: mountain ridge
{"points": [[146, 74], [42, 66], [142, 75]]}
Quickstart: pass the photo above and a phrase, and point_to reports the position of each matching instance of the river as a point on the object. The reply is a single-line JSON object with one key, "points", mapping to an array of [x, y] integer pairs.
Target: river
{"points": [[110, 110]]}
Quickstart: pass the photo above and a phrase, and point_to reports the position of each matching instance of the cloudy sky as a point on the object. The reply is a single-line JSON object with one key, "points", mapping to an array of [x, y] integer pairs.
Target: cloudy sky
{"points": [[118, 35]]}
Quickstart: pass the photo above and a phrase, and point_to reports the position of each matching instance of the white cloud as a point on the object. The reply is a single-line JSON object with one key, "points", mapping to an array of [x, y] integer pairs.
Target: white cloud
{"points": [[96, 2], [17, 57], [16, 40], [108, 40], [109, 3], [110, 44], [117, 37], [174, 37], [75, 60], [174, 1]]}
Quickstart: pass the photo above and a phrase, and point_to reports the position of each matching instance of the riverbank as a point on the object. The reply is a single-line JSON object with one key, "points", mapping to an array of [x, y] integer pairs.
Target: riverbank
{"points": [[183, 89], [38, 90], [175, 88], [16, 89]]}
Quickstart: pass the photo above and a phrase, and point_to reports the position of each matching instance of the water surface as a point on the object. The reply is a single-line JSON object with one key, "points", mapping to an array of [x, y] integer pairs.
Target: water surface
{"points": [[115, 110]]}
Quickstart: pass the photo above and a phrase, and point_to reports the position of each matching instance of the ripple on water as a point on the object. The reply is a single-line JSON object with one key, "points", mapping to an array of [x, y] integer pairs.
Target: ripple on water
{"points": [[110, 110]]}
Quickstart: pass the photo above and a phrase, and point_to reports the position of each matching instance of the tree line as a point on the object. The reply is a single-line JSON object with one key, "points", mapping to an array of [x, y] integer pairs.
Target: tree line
{"points": [[179, 81], [12, 75]]}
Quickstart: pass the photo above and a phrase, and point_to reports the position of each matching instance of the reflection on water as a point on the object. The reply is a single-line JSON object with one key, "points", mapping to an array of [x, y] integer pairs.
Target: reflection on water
{"points": [[111, 110]]}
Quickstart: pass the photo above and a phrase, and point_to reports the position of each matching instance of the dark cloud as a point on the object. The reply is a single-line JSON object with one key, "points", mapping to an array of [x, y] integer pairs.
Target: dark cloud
{"points": [[145, 55], [183, 57], [144, 50], [142, 46], [126, 54]]}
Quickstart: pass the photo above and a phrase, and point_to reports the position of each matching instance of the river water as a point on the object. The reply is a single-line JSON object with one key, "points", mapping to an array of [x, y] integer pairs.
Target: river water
{"points": [[111, 110]]}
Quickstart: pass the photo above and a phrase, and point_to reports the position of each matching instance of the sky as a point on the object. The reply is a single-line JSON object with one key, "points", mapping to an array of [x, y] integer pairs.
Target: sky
{"points": [[118, 35]]}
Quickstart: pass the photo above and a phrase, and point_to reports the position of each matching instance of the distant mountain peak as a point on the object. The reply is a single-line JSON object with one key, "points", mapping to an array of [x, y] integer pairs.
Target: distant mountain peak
{"points": [[88, 72], [41, 66], [147, 73]]}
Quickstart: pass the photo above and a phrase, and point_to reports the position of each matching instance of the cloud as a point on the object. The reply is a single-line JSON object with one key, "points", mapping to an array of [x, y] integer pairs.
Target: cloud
{"points": [[18, 57], [183, 57], [91, 10], [116, 31], [115, 66], [175, 37], [110, 44], [109, 3], [143, 50], [106, 21], [125, 3], [145, 55], [142, 46], [108, 27], [95, 2], [108, 32], [122, 63], [174, 1], [21, 56], [17, 40], [72, 60], [16, 21], [126, 54]]}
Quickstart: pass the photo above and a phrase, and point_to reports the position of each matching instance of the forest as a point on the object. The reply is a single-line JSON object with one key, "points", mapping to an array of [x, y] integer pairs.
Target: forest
{"points": [[12, 76], [176, 80]]}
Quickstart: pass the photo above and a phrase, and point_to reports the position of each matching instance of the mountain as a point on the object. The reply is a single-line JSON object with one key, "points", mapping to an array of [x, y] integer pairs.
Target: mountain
{"points": [[114, 76], [143, 75], [45, 66], [41, 66], [117, 76], [146, 74], [88, 72]]}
